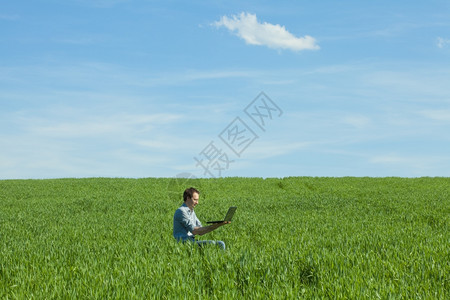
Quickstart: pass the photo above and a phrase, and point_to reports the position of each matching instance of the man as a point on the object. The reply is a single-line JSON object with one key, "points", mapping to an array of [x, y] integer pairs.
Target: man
{"points": [[186, 225]]}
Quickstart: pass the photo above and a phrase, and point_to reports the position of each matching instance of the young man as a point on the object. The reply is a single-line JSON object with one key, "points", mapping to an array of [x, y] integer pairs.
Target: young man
{"points": [[186, 225]]}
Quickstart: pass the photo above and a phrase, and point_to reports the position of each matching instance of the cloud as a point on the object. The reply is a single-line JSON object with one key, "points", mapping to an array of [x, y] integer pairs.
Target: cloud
{"points": [[98, 126], [101, 3], [88, 140], [390, 159], [442, 42], [78, 40], [357, 121], [268, 148], [9, 17], [247, 27], [414, 165], [436, 114]]}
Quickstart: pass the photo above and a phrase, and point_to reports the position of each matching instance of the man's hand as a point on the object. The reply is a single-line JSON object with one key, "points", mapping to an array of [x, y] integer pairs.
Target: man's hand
{"points": [[204, 230]]}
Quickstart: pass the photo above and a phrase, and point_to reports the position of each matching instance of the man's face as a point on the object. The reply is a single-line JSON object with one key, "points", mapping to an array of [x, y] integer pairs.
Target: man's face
{"points": [[192, 203]]}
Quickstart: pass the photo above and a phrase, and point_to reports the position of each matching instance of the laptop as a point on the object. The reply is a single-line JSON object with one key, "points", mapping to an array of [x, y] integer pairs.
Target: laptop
{"points": [[228, 216]]}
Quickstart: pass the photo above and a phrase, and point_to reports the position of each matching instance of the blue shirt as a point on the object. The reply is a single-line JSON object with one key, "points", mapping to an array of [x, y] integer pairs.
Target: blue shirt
{"points": [[184, 222]]}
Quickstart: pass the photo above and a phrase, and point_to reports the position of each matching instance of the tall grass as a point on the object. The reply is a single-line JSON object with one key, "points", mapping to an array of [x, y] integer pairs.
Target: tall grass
{"points": [[296, 237]]}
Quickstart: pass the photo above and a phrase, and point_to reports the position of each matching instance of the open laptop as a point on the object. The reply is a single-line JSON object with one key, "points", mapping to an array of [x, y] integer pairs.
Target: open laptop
{"points": [[228, 216]]}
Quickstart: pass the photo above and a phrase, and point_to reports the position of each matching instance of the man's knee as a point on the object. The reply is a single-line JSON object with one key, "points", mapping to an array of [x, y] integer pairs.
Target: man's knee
{"points": [[221, 244]]}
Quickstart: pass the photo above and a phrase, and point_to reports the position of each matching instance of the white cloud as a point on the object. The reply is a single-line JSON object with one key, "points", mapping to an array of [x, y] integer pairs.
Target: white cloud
{"points": [[442, 42], [77, 141], [357, 121], [9, 17], [267, 149], [412, 165], [390, 159], [78, 40], [437, 114], [247, 27], [97, 126]]}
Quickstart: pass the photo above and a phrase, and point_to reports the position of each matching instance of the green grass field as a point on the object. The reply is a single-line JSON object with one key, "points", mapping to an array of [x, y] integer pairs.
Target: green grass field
{"points": [[299, 237]]}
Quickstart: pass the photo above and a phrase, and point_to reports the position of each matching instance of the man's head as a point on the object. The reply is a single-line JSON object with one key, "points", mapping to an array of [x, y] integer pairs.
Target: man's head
{"points": [[190, 197]]}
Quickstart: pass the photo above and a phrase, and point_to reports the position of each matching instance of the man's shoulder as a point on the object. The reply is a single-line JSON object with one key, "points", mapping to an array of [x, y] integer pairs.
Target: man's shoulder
{"points": [[183, 209]]}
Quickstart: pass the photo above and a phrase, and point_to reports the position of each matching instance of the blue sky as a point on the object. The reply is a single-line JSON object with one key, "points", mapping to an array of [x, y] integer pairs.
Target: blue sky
{"points": [[161, 88]]}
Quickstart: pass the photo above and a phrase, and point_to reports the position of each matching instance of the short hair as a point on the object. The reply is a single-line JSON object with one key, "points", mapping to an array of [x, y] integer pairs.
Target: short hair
{"points": [[189, 193]]}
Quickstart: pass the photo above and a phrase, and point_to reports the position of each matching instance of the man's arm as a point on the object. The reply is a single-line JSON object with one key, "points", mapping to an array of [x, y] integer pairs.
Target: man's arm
{"points": [[206, 229]]}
